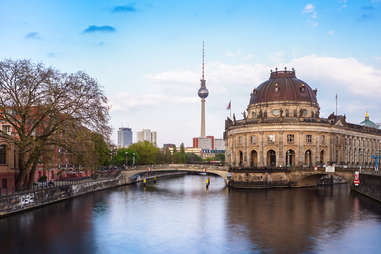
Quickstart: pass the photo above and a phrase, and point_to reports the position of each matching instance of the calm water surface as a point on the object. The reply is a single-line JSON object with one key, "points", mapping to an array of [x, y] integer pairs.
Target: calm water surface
{"points": [[179, 216]]}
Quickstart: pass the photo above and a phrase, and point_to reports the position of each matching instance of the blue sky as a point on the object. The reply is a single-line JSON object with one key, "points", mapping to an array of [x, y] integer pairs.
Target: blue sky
{"points": [[147, 54]]}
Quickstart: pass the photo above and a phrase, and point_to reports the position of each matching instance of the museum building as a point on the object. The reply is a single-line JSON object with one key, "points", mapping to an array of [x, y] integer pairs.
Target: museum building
{"points": [[283, 128]]}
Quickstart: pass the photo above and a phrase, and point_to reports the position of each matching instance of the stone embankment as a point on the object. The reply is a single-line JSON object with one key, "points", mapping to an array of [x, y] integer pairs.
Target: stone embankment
{"points": [[21, 201], [370, 185]]}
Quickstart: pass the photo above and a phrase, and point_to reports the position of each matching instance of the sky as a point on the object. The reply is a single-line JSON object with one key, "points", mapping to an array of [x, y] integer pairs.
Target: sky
{"points": [[146, 55]]}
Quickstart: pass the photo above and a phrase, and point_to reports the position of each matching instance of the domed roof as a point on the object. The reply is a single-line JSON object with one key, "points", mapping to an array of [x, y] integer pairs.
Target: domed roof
{"points": [[283, 86], [368, 123]]}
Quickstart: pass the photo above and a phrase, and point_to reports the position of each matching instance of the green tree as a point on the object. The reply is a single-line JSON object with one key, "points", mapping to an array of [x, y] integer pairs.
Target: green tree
{"points": [[179, 157], [119, 158], [40, 103], [167, 155], [220, 157], [191, 158], [182, 148], [101, 149], [148, 153]]}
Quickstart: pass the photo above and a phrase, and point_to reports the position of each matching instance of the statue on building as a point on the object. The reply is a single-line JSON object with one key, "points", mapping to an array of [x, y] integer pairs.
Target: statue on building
{"points": [[234, 120], [244, 115], [228, 122]]}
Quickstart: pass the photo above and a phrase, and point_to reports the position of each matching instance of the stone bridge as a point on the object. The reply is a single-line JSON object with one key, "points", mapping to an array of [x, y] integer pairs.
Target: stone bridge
{"points": [[245, 178], [131, 174]]}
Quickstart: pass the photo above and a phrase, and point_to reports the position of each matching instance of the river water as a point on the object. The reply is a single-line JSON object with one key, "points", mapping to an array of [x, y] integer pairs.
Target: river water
{"points": [[178, 215]]}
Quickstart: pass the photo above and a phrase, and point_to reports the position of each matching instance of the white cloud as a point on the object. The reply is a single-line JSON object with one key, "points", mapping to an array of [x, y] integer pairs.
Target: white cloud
{"points": [[310, 9], [356, 77], [331, 32]]}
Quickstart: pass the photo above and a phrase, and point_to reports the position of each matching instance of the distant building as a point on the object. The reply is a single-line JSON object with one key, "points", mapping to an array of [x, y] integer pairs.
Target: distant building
{"points": [[168, 146], [207, 146], [124, 137], [147, 135], [219, 144]]}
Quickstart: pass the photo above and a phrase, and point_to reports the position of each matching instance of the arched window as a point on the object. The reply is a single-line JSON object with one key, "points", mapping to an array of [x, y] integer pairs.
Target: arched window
{"points": [[3, 154], [290, 158], [271, 158], [253, 158], [308, 158]]}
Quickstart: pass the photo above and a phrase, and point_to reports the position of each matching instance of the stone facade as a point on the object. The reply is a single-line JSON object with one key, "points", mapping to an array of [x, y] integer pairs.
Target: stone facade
{"points": [[281, 131]]}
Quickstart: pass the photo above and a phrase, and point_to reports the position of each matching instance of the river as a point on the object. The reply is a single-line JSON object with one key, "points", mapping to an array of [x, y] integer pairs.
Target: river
{"points": [[179, 215]]}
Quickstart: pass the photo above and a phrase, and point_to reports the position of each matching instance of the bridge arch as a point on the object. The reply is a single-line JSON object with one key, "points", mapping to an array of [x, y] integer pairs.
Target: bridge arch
{"points": [[131, 175]]}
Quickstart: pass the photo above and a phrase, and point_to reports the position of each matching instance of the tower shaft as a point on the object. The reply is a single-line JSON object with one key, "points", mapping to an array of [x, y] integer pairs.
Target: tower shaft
{"points": [[202, 117]]}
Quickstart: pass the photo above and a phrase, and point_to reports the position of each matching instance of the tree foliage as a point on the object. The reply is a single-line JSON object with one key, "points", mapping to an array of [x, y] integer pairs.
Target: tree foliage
{"points": [[47, 108], [148, 153], [124, 155]]}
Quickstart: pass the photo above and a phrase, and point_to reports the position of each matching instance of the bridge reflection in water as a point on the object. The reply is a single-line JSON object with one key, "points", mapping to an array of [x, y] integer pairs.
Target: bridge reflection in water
{"points": [[177, 215]]}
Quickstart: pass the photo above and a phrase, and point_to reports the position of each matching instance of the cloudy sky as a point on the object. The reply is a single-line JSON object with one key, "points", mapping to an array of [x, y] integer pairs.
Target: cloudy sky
{"points": [[147, 54]]}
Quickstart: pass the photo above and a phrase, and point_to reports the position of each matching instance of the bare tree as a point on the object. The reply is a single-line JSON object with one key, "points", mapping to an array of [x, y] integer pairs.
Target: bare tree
{"points": [[42, 104]]}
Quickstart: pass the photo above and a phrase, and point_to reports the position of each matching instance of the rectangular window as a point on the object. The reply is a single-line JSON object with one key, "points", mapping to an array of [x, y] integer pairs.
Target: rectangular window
{"points": [[240, 140], [308, 139], [290, 138], [3, 154], [6, 129], [271, 138], [253, 140], [322, 139], [4, 184]]}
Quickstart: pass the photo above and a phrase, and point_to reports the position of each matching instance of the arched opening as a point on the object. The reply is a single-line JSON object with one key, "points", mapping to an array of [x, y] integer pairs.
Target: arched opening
{"points": [[3, 154], [290, 158], [308, 158], [240, 158], [271, 158], [253, 158], [322, 157]]}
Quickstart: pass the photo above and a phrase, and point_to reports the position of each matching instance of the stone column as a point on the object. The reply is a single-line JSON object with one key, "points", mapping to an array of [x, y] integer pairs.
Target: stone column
{"points": [[281, 157], [300, 151], [261, 152]]}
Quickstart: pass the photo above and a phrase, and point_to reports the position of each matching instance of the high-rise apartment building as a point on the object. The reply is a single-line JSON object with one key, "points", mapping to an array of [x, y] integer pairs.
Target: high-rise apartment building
{"points": [[147, 135], [124, 137]]}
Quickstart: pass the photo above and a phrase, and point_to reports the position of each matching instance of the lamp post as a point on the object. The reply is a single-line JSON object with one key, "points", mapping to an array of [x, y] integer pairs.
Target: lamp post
{"points": [[133, 159], [360, 155], [126, 164]]}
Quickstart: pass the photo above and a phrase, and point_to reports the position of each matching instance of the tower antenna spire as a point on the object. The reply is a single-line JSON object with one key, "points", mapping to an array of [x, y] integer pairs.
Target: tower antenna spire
{"points": [[203, 58]]}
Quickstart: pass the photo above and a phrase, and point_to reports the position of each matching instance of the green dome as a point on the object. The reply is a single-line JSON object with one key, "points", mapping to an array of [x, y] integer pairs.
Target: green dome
{"points": [[368, 123]]}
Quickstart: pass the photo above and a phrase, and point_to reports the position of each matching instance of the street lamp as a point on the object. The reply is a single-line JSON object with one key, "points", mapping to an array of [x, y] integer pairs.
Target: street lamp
{"points": [[133, 159], [360, 155], [126, 164]]}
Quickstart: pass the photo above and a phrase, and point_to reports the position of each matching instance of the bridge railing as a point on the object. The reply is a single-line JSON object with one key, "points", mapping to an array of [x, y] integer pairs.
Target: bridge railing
{"points": [[177, 166]]}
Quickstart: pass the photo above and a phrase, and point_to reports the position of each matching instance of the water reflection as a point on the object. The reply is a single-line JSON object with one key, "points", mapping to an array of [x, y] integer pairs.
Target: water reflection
{"points": [[179, 216]]}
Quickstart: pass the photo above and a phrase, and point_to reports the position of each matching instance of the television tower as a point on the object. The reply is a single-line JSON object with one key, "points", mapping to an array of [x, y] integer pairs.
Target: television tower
{"points": [[203, 92]]}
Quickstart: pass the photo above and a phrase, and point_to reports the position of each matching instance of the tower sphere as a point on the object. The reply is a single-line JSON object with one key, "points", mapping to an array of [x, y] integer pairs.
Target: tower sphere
{"points": [[203, 92]]}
